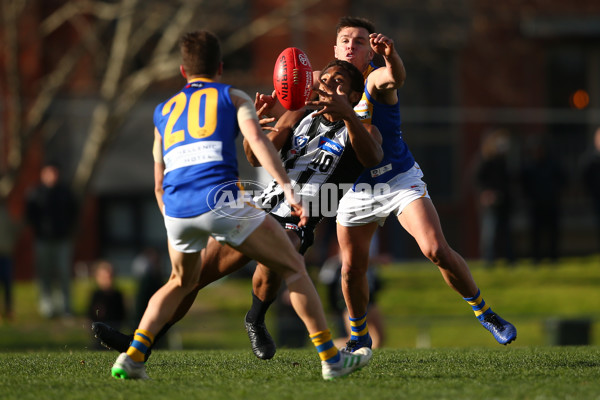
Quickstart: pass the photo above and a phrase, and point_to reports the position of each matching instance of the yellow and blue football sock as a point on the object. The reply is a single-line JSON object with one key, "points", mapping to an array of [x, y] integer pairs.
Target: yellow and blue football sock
{"points": [[327, 351], [142, 340], [478, 305], [359, 331]]}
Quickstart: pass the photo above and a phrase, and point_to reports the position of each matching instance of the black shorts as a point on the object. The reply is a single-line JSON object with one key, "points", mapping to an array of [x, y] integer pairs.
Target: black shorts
{"points": [[305, 233]]}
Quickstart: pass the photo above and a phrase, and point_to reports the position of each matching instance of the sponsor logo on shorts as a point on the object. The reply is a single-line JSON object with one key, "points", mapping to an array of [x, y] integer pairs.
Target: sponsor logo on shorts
{"points": [[291, 227], [381, 170]]}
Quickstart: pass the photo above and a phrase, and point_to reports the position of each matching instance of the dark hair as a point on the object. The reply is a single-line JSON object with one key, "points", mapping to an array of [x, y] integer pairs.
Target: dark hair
{"points": [[52, 163], [200, 53], [354, 22], [357, 81]]}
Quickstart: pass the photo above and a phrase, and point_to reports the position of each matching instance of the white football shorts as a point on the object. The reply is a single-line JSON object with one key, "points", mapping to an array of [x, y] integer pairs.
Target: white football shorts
{"points": [[227, 224], [365, 204]]}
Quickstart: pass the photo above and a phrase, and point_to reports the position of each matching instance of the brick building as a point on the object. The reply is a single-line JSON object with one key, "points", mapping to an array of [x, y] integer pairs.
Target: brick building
{"points": [[472, 66]]}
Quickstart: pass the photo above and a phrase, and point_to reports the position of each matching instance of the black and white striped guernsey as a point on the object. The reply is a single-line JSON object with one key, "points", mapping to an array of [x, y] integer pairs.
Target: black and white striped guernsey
{"points": [[322, 166]]}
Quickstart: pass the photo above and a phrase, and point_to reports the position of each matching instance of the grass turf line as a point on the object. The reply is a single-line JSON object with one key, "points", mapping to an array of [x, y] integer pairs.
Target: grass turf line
{"points": [[475, 373]]}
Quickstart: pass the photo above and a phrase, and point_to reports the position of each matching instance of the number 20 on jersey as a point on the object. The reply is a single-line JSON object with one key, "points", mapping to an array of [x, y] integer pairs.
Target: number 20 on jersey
{"points": [[201, 103]]}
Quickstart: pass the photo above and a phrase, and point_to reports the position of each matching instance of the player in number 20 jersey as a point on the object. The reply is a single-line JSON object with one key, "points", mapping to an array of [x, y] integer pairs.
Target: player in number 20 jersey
{"points": [[197, 163]]}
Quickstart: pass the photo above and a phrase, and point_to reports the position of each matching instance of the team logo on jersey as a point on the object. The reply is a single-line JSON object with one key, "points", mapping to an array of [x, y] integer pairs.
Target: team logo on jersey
{"points": [[196, 85], [300, 142], [330, 146]]}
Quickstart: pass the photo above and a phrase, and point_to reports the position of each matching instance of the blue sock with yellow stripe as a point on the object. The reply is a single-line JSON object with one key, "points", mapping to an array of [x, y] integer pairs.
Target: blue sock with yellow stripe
{"points": [[327, 351], [359, 330], [478, 305], [142, 340]]}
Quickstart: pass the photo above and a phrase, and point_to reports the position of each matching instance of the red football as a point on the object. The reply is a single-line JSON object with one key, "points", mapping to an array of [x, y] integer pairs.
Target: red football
{"points": [[292, 78]]}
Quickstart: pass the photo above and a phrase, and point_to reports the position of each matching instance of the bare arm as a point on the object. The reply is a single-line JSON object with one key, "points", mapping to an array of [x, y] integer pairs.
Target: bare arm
{"points": [[278, 136], [365, 139], [159, 170], [267, 156], [383, 82], [263, 150]]}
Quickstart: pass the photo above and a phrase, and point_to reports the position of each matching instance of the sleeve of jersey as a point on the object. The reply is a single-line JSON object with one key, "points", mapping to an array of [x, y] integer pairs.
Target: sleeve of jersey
{"points": [[244, 105], [156, 147], [157, 115]]}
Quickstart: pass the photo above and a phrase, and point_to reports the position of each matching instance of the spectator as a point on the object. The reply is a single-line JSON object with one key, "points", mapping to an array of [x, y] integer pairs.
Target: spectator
{"points": [[8, 236], [591, 178], [148, 271], [106, 303], [543, 179], [493, 180], [52, 212]]}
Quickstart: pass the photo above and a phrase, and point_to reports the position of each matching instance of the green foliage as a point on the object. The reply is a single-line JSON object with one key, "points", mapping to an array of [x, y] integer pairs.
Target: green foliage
{"points": [[419, 309], [419, 306], [48, 358], [475, 373]]}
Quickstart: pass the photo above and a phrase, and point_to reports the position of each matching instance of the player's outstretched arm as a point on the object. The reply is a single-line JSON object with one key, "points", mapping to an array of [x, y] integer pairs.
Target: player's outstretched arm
{"points": [[159, 169], [264, 151], [383, 82], [267, 156], [366, 142], [278, 135]]}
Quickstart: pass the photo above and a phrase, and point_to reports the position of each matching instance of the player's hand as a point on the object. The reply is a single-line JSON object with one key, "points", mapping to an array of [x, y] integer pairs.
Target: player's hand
{"points": [[297, 208], [264, 121], [264, 103], [381, 44], [333, 102]]}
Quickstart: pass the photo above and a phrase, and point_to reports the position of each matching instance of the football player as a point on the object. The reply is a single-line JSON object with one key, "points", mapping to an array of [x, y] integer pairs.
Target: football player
{"points": [[194, 153], [406, 198]]}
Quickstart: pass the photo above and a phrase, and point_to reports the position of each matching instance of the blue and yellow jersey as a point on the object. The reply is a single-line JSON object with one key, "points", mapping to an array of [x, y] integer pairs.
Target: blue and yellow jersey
{"points": [[198, 126], [397, 158]]}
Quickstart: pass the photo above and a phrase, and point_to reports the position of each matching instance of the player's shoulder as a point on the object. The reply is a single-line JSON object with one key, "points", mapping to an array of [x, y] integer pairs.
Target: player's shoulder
{"points": [[239, 93], [239, 98]]}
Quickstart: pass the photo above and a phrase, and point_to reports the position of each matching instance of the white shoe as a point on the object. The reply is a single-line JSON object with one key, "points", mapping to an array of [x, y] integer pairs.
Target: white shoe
{"points": [[348, 363], [126, 368]]}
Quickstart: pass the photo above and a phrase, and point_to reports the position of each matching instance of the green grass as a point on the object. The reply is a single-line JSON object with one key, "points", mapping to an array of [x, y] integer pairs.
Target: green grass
{"points": [[417, 305], [41, 359], [416, 301], [473, 373]]}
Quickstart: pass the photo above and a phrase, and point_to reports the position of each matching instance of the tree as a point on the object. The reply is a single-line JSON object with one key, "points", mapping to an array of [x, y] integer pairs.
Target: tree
{"points": [[131, 45]]}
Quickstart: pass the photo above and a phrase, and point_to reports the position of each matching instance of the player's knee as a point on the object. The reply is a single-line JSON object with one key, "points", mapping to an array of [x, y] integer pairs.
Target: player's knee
{"points": [[183, 282], [351, 274], [438, 253], [264, 279]]}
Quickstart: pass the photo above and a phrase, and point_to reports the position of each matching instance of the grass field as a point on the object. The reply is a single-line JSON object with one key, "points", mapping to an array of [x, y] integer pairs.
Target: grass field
{"points": [[475, 373], [419, 309], [51, 359]]}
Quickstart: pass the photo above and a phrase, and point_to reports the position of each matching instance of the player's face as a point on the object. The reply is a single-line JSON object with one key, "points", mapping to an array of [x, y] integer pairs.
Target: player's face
{"points": [[332, 78], [353, 45]]}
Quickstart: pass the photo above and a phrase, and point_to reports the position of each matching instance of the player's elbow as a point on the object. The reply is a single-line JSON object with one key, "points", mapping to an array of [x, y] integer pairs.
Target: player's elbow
{"points": [[373, 157], [395, 84], [158, 190]]}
